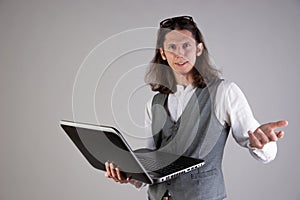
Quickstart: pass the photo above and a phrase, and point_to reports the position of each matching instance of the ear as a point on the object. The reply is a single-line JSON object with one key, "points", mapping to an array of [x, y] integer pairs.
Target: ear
{"points": [[162, 53], [200, 48]]}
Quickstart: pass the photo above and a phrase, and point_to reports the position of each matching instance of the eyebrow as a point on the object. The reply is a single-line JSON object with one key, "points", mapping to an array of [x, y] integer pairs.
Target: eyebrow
{"points": [[190, 39], [172, 42]]}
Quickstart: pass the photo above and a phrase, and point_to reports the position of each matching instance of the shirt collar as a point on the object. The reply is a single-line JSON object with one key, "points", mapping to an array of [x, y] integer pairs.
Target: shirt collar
{"points": [[181, 88]]}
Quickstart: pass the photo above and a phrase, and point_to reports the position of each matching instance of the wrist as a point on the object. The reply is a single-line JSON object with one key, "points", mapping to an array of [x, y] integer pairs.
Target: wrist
{"points": [[250, 146]]}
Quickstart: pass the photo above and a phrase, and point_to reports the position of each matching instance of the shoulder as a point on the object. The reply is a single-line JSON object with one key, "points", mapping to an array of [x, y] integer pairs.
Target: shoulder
{"points": [[149, 103], [227, 87], [228, 92], [155, 98], [152, 100]]}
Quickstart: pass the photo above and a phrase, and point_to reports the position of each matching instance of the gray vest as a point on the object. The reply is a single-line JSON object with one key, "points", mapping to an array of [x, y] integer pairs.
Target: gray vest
{"points": [[197, 133]]}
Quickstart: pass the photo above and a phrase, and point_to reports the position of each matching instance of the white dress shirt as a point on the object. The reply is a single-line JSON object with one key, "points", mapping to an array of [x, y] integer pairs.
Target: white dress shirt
{"points": [[230, 107]]}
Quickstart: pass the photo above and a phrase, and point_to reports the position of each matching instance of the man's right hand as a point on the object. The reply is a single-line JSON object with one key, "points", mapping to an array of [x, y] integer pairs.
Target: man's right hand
{"points": [[114, 172]]}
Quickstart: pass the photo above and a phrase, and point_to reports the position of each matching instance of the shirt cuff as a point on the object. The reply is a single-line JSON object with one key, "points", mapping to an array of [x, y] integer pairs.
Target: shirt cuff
{"points": [[266, 154], [138, 184]]}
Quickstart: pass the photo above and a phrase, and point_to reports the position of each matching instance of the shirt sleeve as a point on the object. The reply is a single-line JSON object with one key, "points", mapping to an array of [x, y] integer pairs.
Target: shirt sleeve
{"points": [[235, 111], [149, 144]]}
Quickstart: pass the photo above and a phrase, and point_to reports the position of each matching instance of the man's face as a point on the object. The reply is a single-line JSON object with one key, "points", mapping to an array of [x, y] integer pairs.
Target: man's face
{"points": [[180, 51]]}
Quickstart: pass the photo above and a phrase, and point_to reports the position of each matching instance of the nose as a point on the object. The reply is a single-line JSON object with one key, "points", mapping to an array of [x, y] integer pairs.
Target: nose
{"points": [[179, 52]]}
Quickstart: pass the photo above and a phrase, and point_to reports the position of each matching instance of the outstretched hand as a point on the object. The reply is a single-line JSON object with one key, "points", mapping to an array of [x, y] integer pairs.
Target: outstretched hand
{"points": [[266, 133]]}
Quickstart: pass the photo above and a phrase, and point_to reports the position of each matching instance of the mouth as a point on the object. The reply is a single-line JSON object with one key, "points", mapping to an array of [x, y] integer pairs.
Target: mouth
{"points": [[181, 63]]}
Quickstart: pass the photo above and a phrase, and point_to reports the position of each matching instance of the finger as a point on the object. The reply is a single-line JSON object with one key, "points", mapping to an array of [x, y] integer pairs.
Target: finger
{"points": [[267, 135], [119, 174], [120, 177], [254, 142], [108, 173], [128, 178], [263, 137], [113, 171], [278, 124], [272, 135], [280, 134]]}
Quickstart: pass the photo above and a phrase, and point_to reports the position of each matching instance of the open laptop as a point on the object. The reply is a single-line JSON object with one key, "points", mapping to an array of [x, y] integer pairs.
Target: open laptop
{"points": [[99, 144]]}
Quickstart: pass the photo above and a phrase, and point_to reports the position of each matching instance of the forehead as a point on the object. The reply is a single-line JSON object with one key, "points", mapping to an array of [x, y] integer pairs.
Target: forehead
{"points": [[179, 36]]}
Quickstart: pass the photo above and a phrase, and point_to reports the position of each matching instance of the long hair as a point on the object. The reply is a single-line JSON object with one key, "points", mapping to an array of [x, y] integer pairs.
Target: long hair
{"points": [[160, 75]]}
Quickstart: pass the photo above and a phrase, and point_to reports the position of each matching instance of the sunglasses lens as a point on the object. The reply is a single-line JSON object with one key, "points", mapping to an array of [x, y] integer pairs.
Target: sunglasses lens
{"points": [[166, 23], [180, 20]]}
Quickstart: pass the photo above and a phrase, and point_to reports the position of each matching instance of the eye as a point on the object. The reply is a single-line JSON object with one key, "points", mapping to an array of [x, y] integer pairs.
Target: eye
{"points": [[186, 45], [171, 47]]}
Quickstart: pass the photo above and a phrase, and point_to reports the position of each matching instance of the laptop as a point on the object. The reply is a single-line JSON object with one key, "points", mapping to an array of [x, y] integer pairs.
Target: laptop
{"points": [[99, 144]]}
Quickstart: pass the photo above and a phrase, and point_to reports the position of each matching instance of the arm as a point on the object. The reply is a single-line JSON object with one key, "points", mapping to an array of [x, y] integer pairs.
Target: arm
{"points": [[239, 116], [114, 172]]}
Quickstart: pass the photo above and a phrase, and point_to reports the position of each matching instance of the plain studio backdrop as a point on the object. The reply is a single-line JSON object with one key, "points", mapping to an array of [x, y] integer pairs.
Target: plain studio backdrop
{"points": [[84, 60]]}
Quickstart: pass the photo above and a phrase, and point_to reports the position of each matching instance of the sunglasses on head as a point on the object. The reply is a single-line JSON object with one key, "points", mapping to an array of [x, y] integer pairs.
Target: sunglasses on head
{"points": [[182, 20]]}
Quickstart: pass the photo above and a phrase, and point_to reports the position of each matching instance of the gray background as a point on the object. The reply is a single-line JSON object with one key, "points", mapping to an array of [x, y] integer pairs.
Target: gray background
{"points": [[44, 43]]}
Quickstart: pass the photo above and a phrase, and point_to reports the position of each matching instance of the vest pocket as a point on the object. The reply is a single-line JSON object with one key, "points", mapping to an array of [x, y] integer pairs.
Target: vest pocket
{"points": [[208, 184], [201, 175]]}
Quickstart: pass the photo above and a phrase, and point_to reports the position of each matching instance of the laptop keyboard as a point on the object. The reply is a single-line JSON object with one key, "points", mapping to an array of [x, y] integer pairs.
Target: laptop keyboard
{"points": [[160, 166]]}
